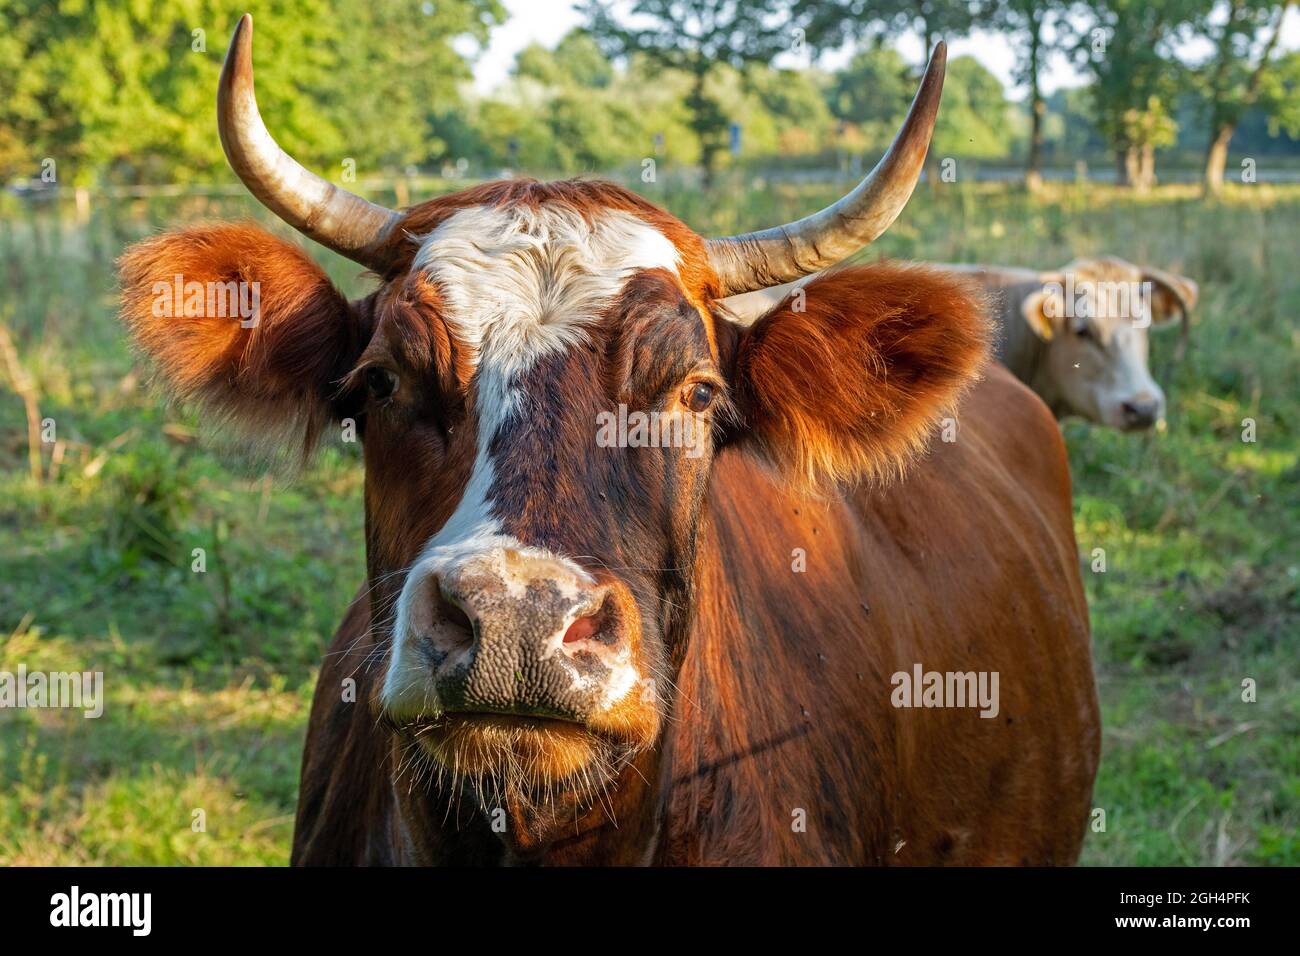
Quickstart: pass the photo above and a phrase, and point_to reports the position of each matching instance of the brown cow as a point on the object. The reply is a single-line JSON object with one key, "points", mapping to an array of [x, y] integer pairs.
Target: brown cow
{"points": [[696, 652]]}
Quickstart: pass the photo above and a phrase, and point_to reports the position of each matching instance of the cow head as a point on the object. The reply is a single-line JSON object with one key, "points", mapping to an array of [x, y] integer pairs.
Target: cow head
{"points": [[1093, 317], [531, 544]]}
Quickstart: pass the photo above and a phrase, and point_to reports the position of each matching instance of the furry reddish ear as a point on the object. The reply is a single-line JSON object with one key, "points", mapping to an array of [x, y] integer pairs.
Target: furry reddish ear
{"points": [[846, 380], [244, 324]]}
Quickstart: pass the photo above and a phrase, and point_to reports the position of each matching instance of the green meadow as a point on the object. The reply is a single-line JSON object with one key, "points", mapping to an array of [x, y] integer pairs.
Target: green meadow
{"points": [[209, 675]]}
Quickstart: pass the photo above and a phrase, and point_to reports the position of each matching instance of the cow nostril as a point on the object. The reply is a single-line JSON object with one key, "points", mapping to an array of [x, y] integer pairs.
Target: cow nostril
{"points": [[598, 626], [1139, 412], [456, 628], [582, 629]]}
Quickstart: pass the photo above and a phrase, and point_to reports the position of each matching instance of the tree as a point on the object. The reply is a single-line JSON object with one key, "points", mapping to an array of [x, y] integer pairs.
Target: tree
{"points": [[876, 88], [872, 92], [1069, 128], [392, 67], [697, 37], [568, 110], [1232, 78], [126, 91], [577, 60], [831, 22], [1280, 96], [1126, 45], [792, 102], [973, 121], [1030, 25]]}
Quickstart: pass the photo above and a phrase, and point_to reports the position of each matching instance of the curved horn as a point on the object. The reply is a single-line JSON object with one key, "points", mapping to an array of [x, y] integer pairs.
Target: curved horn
{"points": [[773, 256], [334, 217]]}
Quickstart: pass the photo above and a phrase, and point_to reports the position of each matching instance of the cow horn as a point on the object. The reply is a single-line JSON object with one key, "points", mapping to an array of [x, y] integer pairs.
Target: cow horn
{"points": [[758, 260], [334, 217]]}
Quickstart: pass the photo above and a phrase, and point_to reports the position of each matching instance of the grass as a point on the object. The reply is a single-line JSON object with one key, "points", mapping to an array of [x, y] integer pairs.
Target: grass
{"points": [[209, 675]]}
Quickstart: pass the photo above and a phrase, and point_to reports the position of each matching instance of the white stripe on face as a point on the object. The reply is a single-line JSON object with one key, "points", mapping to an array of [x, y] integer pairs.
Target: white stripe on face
{"points": [[519, 283]]}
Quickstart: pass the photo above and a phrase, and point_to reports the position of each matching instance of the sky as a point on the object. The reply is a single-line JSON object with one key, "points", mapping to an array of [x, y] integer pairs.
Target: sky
{"points": [[546, 21]]}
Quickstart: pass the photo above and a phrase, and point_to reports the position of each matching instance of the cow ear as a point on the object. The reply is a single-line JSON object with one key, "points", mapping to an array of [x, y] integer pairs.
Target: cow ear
{"points": [[243, 324], [1044, 308], [847, 380], [1167, 289]]}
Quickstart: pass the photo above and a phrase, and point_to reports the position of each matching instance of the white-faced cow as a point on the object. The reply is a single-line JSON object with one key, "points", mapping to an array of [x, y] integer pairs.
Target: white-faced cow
{"points": [[1077, 336], [750, 649]]}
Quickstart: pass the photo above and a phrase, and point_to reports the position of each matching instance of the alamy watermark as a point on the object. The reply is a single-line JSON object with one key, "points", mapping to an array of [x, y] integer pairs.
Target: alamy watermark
{"points": [[209, 300], [133, 911], [675, 429], [75, 690], [923, 688], [1089, 298]]}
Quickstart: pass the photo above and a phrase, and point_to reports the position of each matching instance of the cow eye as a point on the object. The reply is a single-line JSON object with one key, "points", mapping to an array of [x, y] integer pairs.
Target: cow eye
{"points": [[698, 397], [1084, 331], [380, 382]]}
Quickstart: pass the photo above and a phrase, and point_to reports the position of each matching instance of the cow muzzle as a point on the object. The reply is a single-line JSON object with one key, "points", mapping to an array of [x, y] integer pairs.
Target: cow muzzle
{"points": [[1141, 411], [511, 658], [516, 639], [512, 634]]}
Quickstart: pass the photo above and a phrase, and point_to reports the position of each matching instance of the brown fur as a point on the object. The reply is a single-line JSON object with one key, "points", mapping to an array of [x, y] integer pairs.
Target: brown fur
{"points": [[850, 386], [967, 564], [277, 377]]}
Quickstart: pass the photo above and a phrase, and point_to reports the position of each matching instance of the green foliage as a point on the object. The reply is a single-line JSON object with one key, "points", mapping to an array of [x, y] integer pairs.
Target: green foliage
{"points": [[874, 91], [577, 60], [829, 23], [560, 125], [393, 68], [1243, 38], [1126, 46], [1148, 125], [573, 111], [1280, 96], [792, 103], [125, 91], [696, 37], [974, 122]]}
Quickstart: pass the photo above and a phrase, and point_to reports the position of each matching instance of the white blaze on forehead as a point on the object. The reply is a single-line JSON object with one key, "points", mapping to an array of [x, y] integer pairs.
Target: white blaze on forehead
{"points": [[519, 283]]}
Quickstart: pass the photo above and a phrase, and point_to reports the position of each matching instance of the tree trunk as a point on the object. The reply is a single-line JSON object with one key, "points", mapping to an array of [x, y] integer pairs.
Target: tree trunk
{"points": [[1147, 168], [1037, 109], [709, 163], [1125, 165], [701, 124], [1216, 159], [1224, 118], [1033, 167]]}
